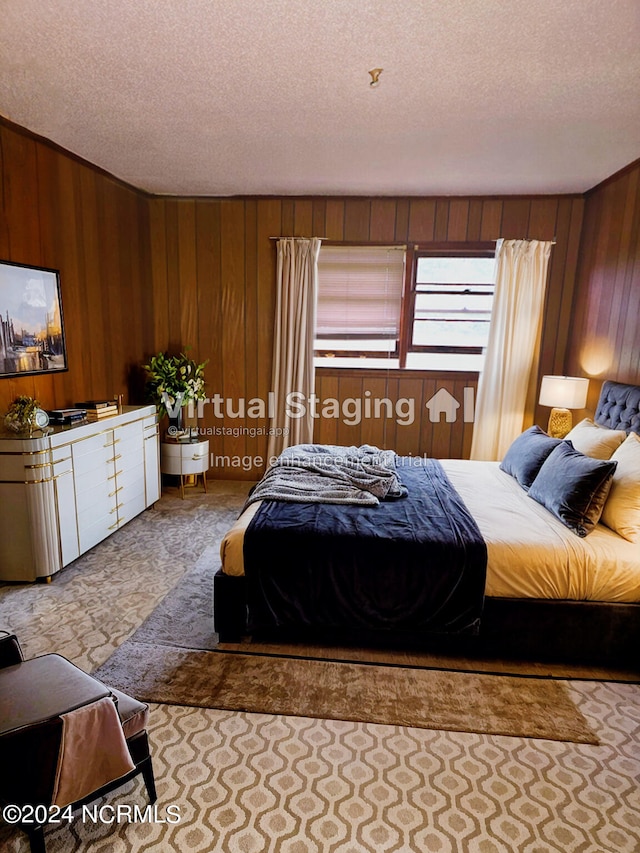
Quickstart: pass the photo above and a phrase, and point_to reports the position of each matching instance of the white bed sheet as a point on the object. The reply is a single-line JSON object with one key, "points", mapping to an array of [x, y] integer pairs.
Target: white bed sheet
{"points": [[530, 553], [533, 555]]}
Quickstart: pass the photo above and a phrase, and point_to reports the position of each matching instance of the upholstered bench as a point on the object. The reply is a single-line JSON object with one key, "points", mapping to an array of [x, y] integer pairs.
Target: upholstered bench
{"points": [[65, 737]]}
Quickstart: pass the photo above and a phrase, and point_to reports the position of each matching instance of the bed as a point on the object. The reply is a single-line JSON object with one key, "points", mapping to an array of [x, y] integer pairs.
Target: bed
{"points": [[543, 591]]}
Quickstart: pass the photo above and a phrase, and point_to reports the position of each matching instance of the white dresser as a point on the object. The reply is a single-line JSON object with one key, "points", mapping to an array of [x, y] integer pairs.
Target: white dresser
{"points": [[63, 492]]}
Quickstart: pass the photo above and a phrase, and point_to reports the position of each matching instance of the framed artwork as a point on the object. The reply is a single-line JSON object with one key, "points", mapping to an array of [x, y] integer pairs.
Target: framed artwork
{"points": [[31, 327]]}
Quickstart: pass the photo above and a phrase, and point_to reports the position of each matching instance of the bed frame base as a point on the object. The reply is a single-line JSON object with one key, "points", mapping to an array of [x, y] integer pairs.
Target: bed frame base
{"points": [[587, 632]]}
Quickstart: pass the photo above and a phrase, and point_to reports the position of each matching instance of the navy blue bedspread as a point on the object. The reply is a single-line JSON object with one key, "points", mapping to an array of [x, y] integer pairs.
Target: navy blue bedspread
{"points": [[414, 564]]}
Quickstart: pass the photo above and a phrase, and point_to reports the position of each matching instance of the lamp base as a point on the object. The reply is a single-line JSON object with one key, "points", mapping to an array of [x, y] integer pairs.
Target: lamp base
{"points": [[560, 422]]}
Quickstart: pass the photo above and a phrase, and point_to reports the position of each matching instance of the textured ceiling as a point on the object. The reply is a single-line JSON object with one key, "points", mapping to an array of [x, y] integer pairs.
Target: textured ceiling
{"points": [[233, 97]]}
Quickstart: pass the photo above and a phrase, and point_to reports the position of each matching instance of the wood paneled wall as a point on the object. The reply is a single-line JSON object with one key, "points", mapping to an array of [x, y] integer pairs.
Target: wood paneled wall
{"points": [[407, 426], [142, 274], [605, 335], [58, 212], [213, 274]]}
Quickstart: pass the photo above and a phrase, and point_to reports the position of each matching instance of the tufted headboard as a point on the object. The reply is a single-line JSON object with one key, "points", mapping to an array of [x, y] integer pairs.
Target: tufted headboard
{"points": [[619, 406]]}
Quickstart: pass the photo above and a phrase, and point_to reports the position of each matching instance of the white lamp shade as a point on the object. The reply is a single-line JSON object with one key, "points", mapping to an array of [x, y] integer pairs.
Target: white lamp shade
{"points": [[566, 392]]}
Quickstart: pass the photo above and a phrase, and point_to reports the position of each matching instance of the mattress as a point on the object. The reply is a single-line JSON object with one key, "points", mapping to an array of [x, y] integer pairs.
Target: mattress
{"points": [[530, 553]]}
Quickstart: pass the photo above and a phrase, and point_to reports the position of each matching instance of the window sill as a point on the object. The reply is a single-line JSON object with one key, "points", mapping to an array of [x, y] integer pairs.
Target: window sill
{"points": [[432, 362]]}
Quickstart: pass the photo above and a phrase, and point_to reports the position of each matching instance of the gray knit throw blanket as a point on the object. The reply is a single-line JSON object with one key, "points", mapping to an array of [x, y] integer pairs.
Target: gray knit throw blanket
{"points": [[328, 473]]}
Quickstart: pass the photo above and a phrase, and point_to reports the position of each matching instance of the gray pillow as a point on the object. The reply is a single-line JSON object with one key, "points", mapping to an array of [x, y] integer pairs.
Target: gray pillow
{"points": [[528, 451], [574, 487]]}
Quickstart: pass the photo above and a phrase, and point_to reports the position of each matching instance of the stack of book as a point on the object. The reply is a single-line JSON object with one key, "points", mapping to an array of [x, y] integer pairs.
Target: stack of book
{"points": [[182, 436], [98, 409], [66, 417]]}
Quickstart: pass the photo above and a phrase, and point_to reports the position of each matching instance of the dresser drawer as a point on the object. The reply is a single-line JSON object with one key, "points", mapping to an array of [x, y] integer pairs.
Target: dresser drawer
{"points": [[130, 432], [99, 479], [95, 505], [93, 443], [128, 442], [133, 475], [98, 463], [130, 484], [131, 507], [95, 532]]}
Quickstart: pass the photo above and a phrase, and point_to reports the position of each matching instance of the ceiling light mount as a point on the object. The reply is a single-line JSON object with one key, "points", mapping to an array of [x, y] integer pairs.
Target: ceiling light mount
{"points": [[375, 77]]}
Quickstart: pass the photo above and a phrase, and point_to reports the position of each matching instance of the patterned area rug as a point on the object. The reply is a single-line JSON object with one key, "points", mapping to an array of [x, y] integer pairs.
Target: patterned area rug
{"points": [[173, 659], [258, 783]]}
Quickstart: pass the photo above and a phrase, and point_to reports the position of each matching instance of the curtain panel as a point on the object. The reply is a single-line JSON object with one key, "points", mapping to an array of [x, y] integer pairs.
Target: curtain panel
{"points": [[512, 349], [293, 370]]}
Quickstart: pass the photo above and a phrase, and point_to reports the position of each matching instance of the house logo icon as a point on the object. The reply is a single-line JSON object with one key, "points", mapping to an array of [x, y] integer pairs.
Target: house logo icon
{"points": [[441, 403], [444, 403]]}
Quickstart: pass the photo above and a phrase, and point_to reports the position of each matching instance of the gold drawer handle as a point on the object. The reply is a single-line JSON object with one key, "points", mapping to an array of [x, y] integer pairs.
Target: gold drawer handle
{"points": [[113, 526], [113, 476], [63, 474], [115, 509], [111, 443], [115, 458], [115, 491]]}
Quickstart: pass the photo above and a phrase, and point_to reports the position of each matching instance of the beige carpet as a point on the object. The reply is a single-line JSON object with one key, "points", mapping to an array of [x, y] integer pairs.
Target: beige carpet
{"points": [[261, 783], [369, 693]]}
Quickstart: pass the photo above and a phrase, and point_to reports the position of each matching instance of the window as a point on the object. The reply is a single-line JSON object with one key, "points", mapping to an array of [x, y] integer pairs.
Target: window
{"points": [[359, 302], [381, 306], [451, 313]]}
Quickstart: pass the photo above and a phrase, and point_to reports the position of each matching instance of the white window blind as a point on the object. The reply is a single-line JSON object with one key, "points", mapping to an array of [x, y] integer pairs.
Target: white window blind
{"points": [[360, 291]]}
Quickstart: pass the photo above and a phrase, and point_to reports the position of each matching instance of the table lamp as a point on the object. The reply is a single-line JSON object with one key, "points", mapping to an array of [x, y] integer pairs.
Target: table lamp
{"points": [[562, 393]]}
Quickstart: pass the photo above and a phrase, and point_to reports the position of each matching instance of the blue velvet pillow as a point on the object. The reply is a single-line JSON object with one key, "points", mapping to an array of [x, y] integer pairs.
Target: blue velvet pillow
{"points": [[527, 453], [574, 487]]}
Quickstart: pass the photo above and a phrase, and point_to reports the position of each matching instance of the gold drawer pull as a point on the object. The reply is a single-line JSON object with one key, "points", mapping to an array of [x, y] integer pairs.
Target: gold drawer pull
{"points": [[111, 443], [113, 476], [115, 509], [113, 526], [115, 458], [55, 461], [115, 491], [63, 474]]}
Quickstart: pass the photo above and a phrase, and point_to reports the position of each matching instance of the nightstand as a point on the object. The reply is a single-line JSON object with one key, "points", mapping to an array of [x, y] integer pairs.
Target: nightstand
{"points": [[184, 459]]}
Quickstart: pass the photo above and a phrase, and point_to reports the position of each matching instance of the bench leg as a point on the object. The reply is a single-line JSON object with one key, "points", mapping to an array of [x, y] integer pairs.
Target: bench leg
{"points": [[149, 780], [36, 839]]}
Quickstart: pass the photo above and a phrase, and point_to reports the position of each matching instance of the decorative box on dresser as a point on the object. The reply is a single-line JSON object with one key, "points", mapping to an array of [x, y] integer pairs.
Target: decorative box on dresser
{"points": [[65, 489]]}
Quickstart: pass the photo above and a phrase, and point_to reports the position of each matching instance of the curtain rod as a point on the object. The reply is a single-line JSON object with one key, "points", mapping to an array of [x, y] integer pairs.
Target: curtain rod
{"points": [[553, 242]]}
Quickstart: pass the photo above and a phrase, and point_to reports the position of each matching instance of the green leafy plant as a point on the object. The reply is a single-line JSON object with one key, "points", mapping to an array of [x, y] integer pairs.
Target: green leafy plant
{"points": [[174, 381], [20, 417]]}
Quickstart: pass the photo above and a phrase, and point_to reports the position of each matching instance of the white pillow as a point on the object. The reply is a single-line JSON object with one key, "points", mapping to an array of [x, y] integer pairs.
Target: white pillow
{"points": [[595, 441], [622, 509]]}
